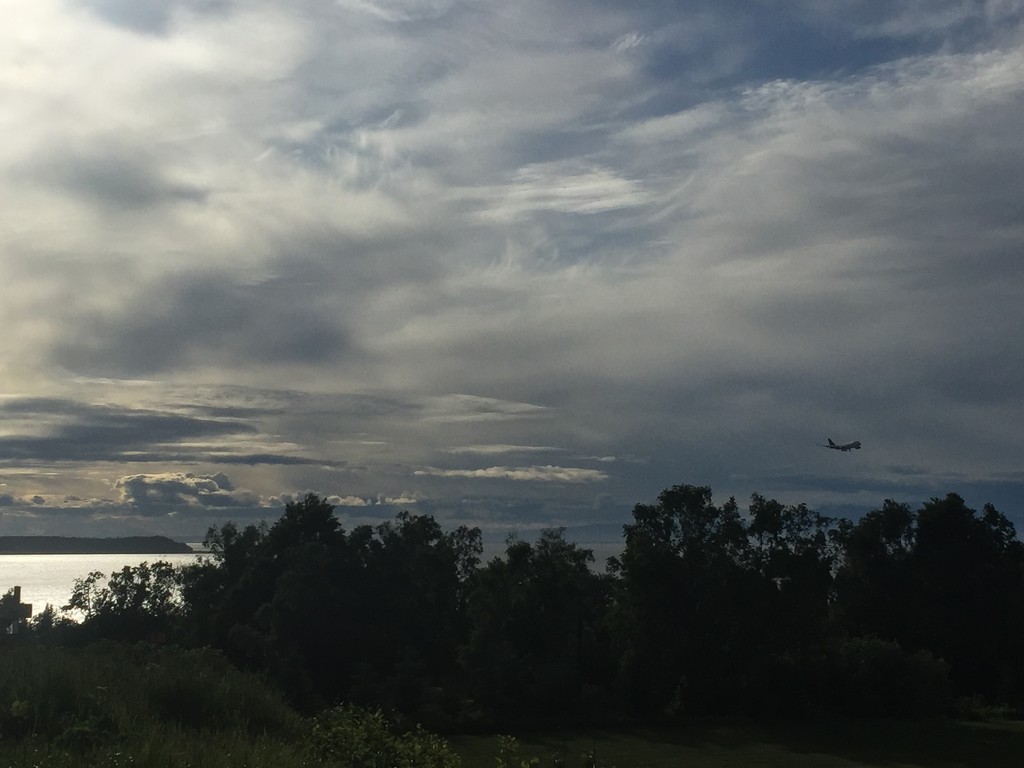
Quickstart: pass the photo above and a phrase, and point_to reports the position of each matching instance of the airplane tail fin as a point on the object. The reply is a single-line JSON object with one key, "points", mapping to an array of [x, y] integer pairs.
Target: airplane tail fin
{"points": [[830, 442]]}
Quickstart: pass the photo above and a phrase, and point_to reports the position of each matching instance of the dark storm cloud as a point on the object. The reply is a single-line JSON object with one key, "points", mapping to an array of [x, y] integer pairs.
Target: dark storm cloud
{"points": [[52, 429], [253, 459], [181, 489], [199, 319], [66, 430], [70, 431], [115, 177], [148, 16]]}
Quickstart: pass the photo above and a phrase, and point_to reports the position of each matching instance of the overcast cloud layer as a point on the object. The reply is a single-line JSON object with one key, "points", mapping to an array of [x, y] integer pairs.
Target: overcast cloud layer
{"points": [[510, 264]]}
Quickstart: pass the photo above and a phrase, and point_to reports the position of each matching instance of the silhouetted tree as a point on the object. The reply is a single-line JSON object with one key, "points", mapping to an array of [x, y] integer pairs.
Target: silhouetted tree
{"points": [[142, 602], [377, 615], [967, 571], [415, 612], [707, 611], [680, 611], [945, 580], [538, 647]]}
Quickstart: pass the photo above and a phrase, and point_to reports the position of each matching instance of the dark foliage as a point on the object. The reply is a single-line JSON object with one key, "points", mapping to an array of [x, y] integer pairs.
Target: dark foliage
{"points": [[538, 633], [709, 610], [946, 580]]}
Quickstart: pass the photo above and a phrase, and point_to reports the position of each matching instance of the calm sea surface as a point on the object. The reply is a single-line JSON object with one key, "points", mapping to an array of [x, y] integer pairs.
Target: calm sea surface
{"points": [[50, 578]]}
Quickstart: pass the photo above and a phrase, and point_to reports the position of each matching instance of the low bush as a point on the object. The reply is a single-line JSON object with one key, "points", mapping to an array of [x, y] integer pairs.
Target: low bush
{"points": [[869, 677], [354, 736]]}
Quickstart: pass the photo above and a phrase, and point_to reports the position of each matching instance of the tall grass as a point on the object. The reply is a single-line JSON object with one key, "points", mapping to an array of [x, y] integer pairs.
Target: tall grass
{"points": [[806, 744], [114, 705]]}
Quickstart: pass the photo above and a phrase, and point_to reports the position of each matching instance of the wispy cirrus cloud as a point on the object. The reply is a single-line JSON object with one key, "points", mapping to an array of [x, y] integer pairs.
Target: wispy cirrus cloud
{"points": [[368, 248], [493, 449], [545, 473]]}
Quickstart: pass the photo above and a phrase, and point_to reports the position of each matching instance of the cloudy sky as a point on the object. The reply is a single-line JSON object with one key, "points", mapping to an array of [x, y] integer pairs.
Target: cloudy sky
{"points": [[509, 264]]}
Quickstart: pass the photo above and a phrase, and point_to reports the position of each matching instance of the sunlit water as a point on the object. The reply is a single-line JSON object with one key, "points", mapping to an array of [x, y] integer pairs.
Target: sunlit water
{"points": [[49, 579]]}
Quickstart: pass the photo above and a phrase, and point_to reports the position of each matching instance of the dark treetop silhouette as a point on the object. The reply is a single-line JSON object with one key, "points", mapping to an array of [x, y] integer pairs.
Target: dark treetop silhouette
{"points": [[710, 609]]}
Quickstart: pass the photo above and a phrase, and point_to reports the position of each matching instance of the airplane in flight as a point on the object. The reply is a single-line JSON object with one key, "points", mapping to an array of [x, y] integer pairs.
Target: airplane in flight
{"points": [[855, 445]]}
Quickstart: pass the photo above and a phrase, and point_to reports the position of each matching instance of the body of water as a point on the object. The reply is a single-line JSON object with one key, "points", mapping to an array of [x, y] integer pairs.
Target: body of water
{"points": [[49, 579]]}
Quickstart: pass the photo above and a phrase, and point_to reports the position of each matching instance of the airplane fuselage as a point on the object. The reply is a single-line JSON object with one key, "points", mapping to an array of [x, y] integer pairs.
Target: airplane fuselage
{"points": [[854, 446]]}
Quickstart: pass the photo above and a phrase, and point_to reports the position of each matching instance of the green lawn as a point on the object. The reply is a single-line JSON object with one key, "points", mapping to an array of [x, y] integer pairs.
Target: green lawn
{"points": [[946, 744]]}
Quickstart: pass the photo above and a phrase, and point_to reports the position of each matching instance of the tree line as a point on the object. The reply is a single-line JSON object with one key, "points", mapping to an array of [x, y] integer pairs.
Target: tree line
{"points": [[709, 610]]}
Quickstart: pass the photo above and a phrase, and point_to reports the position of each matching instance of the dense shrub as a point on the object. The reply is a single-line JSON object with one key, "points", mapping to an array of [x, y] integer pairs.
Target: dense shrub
{"points": [[349, 736], [869, 677]]}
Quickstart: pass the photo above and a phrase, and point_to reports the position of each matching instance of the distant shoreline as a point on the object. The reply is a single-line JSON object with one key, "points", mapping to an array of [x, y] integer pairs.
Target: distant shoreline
{"points": [[73, 545]]}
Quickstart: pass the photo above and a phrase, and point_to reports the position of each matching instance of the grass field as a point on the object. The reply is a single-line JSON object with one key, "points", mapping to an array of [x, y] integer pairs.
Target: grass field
{"points": [[113, 706], [116, 706], [940, 744]]}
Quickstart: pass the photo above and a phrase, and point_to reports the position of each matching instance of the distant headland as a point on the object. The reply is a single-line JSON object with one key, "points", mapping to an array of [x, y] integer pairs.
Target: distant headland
{"points": [[72, 545]]}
